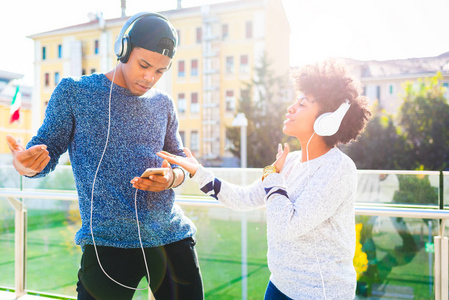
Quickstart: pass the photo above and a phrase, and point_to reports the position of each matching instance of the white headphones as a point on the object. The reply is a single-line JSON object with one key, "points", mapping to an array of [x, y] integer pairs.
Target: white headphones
{"points": [[328, 123]]}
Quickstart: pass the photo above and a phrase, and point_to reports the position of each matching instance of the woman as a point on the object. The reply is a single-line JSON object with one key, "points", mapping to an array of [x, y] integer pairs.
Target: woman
{"points": [[309, 195]]}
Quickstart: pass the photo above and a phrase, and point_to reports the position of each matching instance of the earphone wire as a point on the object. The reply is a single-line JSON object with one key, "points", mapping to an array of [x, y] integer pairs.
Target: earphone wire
{"points": [[319, 268], [316, 255], [135, 203]]}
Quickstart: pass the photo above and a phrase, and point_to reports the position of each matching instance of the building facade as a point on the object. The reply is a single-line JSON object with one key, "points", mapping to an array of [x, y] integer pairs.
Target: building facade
{"points": [[20, 129], [383, 81], [219, 46]]}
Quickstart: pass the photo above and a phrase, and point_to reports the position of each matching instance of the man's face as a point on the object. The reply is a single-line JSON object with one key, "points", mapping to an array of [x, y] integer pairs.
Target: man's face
{"points": [[143, 69]]}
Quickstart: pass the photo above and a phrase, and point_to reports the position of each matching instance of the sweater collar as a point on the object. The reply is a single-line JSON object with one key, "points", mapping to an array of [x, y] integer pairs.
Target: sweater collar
{"points": [[115, 88]]}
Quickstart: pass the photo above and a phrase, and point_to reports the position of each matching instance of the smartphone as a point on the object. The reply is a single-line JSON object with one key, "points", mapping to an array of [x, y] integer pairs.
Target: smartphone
{"points": [[154, 171]]}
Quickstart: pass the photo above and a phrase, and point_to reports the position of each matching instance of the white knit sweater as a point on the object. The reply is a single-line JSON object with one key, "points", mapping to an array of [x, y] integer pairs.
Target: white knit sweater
{"points": [[310, 222]]}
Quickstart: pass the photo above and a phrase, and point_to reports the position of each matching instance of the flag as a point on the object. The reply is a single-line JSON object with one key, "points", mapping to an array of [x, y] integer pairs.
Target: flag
{"points": [[15, 106]]}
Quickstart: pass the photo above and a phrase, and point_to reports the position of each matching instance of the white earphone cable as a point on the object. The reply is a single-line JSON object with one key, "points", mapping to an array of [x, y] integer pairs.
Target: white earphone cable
{"points": [[319, 268], [316, 255], [135, 204], [307, 154]]}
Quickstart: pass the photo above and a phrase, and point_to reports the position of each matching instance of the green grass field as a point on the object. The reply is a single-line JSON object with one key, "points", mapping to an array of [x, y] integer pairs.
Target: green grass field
{"points": [[53, 259]]}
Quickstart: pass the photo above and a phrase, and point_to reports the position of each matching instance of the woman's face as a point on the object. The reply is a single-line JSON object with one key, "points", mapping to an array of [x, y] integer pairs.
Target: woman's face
{"points": [[300, 117]]}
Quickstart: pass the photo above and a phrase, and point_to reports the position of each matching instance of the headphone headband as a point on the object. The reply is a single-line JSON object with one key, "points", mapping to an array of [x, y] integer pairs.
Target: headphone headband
{"points": [[122, 44]]}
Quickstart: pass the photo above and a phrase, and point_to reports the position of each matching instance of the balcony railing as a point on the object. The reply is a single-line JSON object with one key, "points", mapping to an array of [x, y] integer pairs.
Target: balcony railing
{"points": [[404, 249]]}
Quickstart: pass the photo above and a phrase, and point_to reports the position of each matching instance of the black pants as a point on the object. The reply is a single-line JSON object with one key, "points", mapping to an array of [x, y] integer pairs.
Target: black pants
{"points": [[174, 272]]}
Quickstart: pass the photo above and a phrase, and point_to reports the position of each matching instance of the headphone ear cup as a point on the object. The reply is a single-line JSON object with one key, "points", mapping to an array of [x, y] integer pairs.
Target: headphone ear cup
{"points": [[126, 49], [323, 127], [328, 123]]}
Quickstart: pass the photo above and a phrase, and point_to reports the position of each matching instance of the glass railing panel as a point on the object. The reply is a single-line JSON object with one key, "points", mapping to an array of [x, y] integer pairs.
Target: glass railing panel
{"points": [[446, 189], [52, 257], [9, 178], [60, 179], [219, 250], [399, 255], [398, 187], [7, 259]]}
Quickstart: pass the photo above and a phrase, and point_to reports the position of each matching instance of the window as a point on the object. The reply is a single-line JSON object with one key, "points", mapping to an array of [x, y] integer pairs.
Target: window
{"points": [[244, 66], [194, 67], [93, 70], [391, 89], [59, 51], [378, 93], [249, 29], [47, 79], [229, 65], [446, 89], [224, 31], [181, 69], [179, 37], [230, 101], [57, 78], [199, 35], [97, 46], [194, 140], [181, 103], [194, 105], [44, 53], [182, 134], [83, 72], [244, 94]]}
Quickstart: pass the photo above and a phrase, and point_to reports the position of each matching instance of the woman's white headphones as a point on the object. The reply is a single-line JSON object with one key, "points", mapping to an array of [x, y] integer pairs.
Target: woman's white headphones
{"points": [[328, 123]]}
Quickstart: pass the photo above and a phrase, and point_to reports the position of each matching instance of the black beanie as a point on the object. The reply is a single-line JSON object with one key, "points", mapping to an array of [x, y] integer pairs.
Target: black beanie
{"points": [[155, 34]]}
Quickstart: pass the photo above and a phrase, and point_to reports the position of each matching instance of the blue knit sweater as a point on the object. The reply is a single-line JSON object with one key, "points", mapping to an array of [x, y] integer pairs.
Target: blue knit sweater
{"points": [[77, 119]]}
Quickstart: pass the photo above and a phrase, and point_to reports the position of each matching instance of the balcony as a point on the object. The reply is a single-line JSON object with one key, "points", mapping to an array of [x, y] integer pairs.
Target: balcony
{"points": [[402, 236]]}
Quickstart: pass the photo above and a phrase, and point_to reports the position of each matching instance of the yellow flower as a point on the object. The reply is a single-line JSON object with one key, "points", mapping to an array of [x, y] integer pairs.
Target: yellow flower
{"points": [[360, 260]]}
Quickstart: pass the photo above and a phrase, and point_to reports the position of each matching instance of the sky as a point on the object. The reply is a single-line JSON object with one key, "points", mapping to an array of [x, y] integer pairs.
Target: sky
{"points": [[358, 29]]}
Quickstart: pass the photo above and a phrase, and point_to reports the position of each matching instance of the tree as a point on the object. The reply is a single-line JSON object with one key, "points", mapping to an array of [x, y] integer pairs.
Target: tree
{"points": [[417, 139], [424, 120], [380, 147], [265, 116]]}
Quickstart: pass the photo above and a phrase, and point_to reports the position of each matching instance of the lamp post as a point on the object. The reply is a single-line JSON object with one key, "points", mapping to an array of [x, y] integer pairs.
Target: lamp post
{"points": [[242, 122]]}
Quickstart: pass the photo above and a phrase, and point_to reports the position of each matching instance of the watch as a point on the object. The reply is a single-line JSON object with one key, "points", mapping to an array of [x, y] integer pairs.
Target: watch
{"points": [[268, 170]]}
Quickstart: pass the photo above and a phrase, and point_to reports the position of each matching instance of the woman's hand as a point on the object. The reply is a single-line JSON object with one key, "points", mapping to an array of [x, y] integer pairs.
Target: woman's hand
{"points": [[189, 163], [281, 156]]}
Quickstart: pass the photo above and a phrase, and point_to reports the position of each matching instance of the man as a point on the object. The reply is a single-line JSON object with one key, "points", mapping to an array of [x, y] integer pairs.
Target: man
{"points": [[113, 125]]}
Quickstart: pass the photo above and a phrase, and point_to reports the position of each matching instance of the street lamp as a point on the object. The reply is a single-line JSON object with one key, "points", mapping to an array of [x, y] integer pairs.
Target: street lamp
{"points": [[242, 122]]}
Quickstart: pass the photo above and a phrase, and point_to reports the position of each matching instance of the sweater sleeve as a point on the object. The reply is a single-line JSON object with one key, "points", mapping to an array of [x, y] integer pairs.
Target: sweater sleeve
{"points": [[228, 194], [56, 130], [327, 189]]}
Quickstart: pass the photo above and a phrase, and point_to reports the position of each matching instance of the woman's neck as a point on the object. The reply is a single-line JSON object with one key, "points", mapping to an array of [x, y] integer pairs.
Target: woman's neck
{"points": [[313, 147]]}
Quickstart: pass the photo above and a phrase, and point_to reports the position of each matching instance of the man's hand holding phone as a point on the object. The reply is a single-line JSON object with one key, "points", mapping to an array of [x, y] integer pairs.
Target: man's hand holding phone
{"points": [[155, 179]]}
